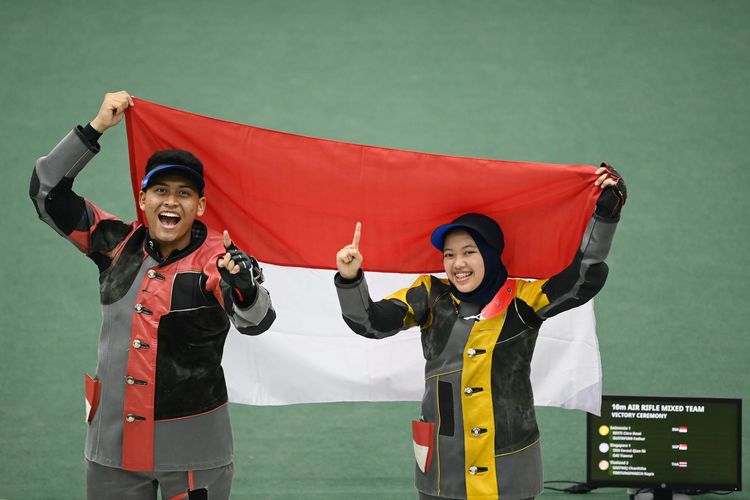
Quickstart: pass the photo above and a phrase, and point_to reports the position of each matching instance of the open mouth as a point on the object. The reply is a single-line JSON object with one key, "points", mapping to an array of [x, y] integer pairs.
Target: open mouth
{"points": [[461, 277], [169, 219]]}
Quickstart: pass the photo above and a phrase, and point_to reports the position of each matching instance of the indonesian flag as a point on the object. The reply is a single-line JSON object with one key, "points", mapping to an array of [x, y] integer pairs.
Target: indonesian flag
{"points": [[293, 201], [683, 446]]}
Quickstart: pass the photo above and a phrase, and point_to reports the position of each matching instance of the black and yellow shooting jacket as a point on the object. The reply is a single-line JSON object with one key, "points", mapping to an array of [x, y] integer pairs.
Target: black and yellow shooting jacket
{"points": [[477, 371]]}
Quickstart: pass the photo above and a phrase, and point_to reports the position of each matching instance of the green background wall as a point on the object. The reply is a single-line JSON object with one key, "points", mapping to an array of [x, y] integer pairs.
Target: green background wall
{"points": [[657, 88]]}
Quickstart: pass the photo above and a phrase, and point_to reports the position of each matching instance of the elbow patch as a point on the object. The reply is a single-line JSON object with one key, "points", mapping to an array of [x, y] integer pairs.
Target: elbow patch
{"points": [[67, 209], [593, 282], [387, 315], [358, 328]]}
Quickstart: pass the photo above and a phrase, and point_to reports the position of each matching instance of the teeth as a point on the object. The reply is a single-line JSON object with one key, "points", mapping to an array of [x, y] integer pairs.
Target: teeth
{"points": [[169, 219], [461, 276]]}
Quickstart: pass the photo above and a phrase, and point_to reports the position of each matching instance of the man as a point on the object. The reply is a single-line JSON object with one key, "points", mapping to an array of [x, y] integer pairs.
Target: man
{"points": [[157, 406]]}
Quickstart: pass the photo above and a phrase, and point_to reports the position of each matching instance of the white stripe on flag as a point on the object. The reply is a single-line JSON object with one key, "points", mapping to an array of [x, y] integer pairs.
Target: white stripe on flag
{"points": [[310, 355]]}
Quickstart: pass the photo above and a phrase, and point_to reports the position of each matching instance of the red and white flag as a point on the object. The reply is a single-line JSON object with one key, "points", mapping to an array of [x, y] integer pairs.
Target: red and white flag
{"points": [[292, 202]]}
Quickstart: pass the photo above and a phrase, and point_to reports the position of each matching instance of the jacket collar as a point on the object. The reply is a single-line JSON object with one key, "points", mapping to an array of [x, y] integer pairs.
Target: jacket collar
{"points": [[198, 235]]}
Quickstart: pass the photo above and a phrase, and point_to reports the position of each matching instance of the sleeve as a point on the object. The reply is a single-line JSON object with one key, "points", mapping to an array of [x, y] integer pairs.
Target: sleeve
{"points": [[252, 319], [376, 320], [581, 280], [93, 231]]}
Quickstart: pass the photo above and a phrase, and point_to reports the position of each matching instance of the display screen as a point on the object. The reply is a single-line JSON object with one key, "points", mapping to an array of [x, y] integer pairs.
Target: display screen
{"points": [[669, 442]]}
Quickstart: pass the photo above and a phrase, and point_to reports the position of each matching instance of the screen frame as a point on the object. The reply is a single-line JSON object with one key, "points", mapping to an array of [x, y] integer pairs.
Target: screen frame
{"points": [[656, 482]]}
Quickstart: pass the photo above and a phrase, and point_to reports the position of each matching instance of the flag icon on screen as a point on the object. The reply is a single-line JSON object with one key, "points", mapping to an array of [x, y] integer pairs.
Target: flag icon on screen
{"points": [[683, 446], [683, 429]]}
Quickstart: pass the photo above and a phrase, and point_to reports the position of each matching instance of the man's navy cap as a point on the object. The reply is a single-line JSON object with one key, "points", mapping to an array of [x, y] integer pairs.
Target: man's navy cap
{"points": [[479, 224], [192, 172]]}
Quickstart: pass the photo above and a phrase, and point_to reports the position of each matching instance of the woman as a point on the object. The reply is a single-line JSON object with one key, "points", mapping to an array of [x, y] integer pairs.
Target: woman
{"points": [[479, 329]]}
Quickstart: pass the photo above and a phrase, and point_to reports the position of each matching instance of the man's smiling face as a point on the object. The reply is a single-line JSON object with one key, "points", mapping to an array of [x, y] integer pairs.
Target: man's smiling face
{"points": [[170, 204]]}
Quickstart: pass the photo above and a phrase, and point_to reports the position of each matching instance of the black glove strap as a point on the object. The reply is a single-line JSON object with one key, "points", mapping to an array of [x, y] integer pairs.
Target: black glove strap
{"points": [[244, 284]]}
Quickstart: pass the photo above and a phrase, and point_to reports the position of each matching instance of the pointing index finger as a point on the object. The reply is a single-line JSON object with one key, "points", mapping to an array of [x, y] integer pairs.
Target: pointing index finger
{"points": [[227, 240], [357, 235]]}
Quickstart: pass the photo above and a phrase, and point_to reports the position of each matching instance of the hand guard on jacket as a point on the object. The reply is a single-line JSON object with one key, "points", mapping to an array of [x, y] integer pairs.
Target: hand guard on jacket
{"points": [[612, 198], [244, 284]]}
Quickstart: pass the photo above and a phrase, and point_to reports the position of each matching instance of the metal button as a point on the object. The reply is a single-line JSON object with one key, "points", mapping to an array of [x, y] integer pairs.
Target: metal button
{"points": [[473, 470], [139, 344], [141, 309], [130, 417], [151, 273], [476, 431], [130, 380], [471, 390], [468, 390], [472, 352]]}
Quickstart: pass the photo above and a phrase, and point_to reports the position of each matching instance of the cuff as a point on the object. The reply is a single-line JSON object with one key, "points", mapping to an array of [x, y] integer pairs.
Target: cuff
{"points": [[89, 136], [342, 282]]}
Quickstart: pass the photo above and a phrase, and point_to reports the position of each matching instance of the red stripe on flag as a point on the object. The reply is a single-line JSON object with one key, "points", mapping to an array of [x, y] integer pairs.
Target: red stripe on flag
{"points": [[293, 201]]}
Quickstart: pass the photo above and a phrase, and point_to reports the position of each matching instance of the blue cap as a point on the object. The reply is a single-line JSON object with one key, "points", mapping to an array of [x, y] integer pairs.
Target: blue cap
{"points": [[477, 225], [194, 173]]}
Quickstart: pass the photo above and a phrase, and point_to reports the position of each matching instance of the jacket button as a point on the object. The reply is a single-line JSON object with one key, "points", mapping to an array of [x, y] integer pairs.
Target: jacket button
{"points": [[468, 390], [476, 431], [137, 344], [473, 470], [138, 307], [130, 380], [471, 352], [130, 417], [151, 273]]}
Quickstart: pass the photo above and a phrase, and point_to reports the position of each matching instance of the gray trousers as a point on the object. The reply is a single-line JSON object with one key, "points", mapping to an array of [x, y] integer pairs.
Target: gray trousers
{"points": [[109, 483]]}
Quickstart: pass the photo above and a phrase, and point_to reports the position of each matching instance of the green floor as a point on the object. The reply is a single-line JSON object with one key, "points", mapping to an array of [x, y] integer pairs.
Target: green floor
{"points": [[657, 88]]}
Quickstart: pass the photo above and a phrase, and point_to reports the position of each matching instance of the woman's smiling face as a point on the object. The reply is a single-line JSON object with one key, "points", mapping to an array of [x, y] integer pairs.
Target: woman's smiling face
{"points": [[462, 261]]}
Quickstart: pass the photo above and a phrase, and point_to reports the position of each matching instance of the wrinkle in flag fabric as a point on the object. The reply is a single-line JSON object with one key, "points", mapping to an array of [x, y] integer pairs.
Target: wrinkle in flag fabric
{"points": [[292, 201]]}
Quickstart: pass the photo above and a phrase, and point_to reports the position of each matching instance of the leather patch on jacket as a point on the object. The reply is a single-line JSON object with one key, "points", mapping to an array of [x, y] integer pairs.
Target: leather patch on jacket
{"points": [[443, 316], [187, 292], [189, 375], [115, 282]]}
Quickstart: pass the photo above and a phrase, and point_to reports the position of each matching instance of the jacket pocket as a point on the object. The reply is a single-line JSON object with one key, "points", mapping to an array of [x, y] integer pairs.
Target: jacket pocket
{"points": [[423, 438], [93, 391], [445, 408]]}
